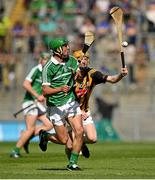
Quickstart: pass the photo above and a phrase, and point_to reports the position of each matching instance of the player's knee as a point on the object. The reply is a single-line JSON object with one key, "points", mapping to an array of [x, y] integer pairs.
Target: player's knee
{"points": [[64, 140], [48, 127], [92, 139]]}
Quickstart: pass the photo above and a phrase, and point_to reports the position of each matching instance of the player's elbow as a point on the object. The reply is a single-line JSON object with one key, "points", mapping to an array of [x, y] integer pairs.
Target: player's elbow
{"points": [[26, 84], [112, 79], [44, 90]]}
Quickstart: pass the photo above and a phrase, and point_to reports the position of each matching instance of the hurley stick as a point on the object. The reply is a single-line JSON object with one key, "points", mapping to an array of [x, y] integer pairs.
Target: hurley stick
{"points": [[117, 15]]}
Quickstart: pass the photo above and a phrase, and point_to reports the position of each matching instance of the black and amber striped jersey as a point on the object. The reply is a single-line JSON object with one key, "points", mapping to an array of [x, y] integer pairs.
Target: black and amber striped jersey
{"points": [[84, 86]]}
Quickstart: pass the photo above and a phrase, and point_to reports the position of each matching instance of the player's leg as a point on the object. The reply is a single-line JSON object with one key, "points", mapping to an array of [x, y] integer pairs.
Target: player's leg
{"points": [[90, 135], [32, 111], [69, 145], [75, 121], [45, 136], [46, 124], [40, 111], [76, 124], [55, 115], [30, 126]]}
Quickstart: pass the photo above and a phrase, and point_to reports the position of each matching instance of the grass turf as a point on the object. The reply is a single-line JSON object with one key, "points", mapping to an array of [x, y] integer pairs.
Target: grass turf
{"points": [[107, 161]]}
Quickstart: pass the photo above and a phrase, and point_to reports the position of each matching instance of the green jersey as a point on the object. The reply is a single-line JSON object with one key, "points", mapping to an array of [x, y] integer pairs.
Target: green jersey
{"points": [[57, 74], [35, 77]]}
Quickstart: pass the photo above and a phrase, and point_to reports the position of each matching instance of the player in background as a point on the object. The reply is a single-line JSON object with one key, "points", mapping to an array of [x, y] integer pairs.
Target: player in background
{"points": [[62, 107], [33, 86]]}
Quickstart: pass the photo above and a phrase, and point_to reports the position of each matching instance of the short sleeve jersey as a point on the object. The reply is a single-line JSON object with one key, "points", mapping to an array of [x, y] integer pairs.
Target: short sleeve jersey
{"points": [[57, 74], [83, 89], [35, 77]]}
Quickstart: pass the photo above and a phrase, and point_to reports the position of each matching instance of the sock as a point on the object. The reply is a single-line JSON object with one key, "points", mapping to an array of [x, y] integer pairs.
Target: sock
{"points": [[17, 150], [73, 158]]}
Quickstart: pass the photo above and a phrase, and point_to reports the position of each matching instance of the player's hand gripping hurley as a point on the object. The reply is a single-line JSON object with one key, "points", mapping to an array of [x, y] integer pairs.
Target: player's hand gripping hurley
{"points": [[117, 15]]}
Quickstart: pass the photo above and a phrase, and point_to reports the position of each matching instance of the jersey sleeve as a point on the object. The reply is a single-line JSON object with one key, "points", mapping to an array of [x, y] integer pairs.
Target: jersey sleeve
{"points": [[32, 74], [46, 76], [98, 77]]}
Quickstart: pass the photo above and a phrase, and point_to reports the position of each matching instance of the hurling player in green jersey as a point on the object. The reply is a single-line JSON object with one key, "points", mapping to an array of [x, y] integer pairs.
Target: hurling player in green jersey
{"points": [[33, 95], [86, 81], [58, 87]]}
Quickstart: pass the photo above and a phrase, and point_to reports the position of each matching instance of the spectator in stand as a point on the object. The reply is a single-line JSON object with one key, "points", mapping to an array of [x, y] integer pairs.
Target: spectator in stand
{"points": [[27, 4], [2, 8], [4, 29], [60, 4], [62, 27], [91, 5], [150, 15], [88, 25], [102, 6], [18, 31], [31, 32], [69, 10], [81, 10], [131, 30], [113, 3], [51, 11], [102, 26], [37, 9], [48, 29]]}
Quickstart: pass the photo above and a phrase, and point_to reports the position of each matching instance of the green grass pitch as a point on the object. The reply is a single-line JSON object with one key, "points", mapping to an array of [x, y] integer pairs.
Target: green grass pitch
{"points": [[108, 160]]}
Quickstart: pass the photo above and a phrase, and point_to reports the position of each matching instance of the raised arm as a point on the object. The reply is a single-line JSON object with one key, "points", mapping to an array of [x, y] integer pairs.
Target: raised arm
{"points": [[118, 77]]}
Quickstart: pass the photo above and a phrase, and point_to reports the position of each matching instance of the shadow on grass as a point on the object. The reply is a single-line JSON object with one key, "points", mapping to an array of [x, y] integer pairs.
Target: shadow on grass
{"points": [[54, 169], [58, 169]]}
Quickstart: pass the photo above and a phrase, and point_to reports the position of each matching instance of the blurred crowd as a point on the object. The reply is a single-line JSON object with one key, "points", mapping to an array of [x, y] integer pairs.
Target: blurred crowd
{"points": [[72, 18]]}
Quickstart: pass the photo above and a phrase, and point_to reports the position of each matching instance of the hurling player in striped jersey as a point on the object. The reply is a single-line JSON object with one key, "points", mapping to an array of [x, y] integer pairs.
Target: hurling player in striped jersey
{"points": [[86, 80]]}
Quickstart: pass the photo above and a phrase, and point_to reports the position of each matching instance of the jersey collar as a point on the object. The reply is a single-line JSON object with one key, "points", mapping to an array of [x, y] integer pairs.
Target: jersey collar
{"points": [[55, 61]]}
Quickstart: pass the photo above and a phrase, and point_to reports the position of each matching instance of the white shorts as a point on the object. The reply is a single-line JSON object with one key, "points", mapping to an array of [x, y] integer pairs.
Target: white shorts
{"points": [[89, 119], [52, 131], [36, 109], [59, 114]]}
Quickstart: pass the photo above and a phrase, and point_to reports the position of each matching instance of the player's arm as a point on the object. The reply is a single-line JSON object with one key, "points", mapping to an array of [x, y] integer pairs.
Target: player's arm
{"points": [[99, 77], [49, 90], [46, 84], [28, 87], [118, 77], [27, 84]]}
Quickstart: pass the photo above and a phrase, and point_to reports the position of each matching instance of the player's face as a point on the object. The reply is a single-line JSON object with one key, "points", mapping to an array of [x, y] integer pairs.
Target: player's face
{"points": [[84, 61], [65, 51], [44, 60]]}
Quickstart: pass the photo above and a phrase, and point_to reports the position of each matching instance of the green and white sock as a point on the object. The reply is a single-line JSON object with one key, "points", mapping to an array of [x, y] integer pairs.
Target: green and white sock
{"points": [[17, 150], [73, 158]]}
